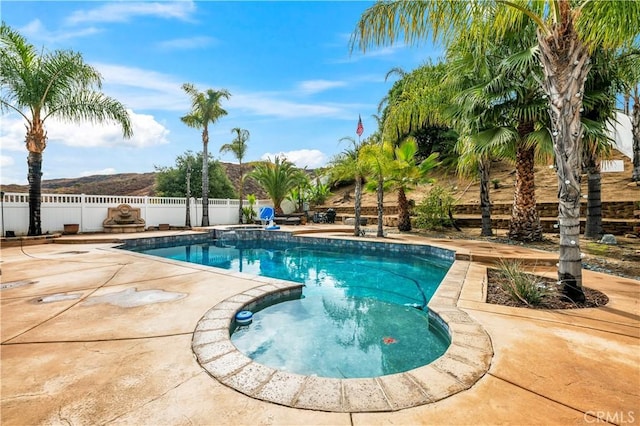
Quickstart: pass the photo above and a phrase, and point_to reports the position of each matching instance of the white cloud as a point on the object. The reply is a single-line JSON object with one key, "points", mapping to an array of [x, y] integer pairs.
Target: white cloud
{"points": [[266, 105], [187, 43], [124, 11], [146, 132], [141, 89], [310, 158], [12, 133], [316, 86], [387, 52], [107, 171], [35, 31], [6, 161]]}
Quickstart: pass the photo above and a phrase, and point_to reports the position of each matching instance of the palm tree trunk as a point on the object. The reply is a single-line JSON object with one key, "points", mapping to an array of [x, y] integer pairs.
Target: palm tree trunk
{"points": [[635, 126], [525, 221], [565, 63], [404, 220], [484, 166], [34, 162], [240, 193], [626, 97], [380, 196], [593, 226], [187, 220], [205, 177], [357, 207]]}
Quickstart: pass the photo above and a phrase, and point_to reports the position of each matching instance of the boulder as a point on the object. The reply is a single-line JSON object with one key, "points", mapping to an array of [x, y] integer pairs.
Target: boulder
{"points": [[608, 239]]}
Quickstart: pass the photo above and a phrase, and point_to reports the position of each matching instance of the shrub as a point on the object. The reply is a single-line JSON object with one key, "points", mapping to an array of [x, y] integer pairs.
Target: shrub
{"points": [[319, 193], [249, 212], [433, 211], [521, 286]]}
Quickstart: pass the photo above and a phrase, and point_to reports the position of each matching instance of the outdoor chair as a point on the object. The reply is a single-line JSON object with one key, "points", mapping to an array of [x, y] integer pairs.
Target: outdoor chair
{"points": [[266, 215]]}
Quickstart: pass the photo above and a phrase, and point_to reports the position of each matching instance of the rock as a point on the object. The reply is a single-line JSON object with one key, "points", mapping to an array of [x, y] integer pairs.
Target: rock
{"points": [[608, 239], [630, 236]]}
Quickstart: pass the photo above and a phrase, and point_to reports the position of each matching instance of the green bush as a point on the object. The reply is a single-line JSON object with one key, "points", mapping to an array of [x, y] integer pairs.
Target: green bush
{"points": [[521, 286], [249, 212], [319, 193], [433, 211]]}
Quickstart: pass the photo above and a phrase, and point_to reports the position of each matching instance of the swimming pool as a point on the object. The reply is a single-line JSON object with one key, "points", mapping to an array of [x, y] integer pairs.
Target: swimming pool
{"points": [[361, 315]]}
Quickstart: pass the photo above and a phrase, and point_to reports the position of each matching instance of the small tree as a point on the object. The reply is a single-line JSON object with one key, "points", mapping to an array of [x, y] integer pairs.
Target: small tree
{"points": [[406, 174], [239, 148], [351, 165], [277, 178], [249, 212], [171, 181], [433, 211]]}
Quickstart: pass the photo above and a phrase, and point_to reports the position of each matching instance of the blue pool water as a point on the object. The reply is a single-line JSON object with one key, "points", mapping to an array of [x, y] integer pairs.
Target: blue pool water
{"points": [[361, 314]]}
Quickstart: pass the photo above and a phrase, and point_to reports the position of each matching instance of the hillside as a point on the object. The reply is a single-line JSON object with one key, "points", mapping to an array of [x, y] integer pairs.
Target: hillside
{"points": [[136, 184], [119, 184], [615, 186]]}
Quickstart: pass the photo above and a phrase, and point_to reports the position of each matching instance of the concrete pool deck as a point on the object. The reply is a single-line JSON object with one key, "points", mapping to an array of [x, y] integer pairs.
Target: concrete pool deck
{"points": [[128, 358]]}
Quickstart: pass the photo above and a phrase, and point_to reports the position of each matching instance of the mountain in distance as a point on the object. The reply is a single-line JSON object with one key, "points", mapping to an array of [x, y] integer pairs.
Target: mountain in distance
{"points": [[132, 184]]}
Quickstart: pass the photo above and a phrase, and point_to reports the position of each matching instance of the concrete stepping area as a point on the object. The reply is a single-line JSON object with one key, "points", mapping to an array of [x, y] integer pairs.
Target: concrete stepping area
{"points": [[94, 335]]}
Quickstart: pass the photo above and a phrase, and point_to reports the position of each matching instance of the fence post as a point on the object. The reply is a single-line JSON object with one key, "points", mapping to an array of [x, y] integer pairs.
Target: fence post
{"points": [[82, 207], [146, 210]]}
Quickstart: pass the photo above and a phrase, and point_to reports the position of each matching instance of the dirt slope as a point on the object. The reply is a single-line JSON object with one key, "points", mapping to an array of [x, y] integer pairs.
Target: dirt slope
{"points": [[615, 186]]}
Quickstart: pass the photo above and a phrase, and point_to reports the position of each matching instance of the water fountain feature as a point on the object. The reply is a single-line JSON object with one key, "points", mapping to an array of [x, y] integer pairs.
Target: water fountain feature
{"points": [[122, 219]]}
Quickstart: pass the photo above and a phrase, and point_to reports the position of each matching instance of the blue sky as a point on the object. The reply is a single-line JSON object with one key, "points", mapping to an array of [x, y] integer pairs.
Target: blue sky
{"points": [[293, 82]]}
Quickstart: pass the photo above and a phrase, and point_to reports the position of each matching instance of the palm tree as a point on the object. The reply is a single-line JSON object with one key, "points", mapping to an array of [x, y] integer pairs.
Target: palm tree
{"points": [[351, 165], [405, 174], [567, 32], [378, 156], [205, 110], [416, 101], [42, 85], [503, 110], [469, 73], [603, 83], [239, 148], [277, 178], [629, 62]]}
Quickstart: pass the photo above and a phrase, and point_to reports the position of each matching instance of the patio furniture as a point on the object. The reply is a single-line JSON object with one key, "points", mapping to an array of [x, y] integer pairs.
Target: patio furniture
{"points": [[266, 215]]}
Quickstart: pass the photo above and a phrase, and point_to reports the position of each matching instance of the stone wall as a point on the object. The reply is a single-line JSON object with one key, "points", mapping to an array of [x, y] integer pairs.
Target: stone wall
{"points": [[610, 209]]}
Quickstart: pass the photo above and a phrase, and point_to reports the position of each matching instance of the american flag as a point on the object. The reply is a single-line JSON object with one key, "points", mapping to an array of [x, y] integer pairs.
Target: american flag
{"points": [[360, 128]]}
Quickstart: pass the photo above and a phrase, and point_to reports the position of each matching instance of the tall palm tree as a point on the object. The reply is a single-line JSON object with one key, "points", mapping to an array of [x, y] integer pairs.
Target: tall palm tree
{"points": [[417, 100], [205, 110], [603, 83], [57, 85], [567, 33], [469, 73], [352, 165], [504, 113], [378, 156], [629, 62], [277, 178], [239, 148]]}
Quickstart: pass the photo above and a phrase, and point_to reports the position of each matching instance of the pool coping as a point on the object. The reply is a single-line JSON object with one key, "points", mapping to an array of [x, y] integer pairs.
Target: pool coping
{"points": [[467, 359]]}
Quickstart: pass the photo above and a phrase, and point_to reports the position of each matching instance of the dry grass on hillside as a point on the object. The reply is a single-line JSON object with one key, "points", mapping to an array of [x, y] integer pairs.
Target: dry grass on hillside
{"points": [[615, 186]]}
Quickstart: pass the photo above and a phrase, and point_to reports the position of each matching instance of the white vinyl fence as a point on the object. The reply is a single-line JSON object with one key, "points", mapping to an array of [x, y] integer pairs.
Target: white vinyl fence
{"points": [[89, 211]]}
